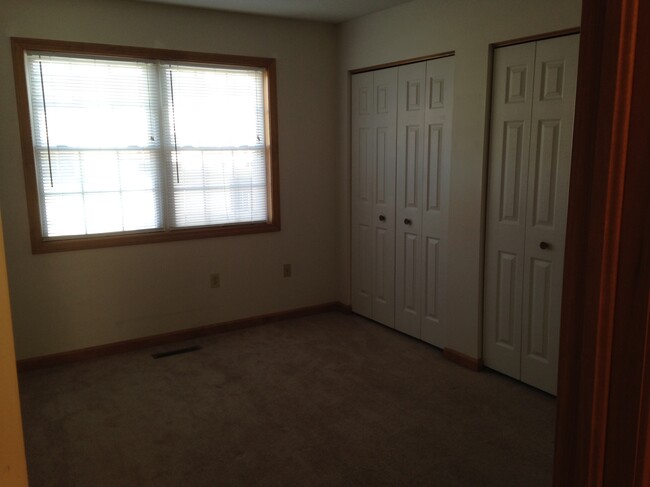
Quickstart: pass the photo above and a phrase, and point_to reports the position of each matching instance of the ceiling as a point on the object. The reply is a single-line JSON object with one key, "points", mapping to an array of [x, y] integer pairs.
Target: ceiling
{"points": [[323, 10]]}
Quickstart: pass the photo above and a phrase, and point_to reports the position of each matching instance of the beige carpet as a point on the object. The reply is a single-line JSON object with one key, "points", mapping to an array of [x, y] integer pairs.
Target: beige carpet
{"points": [[327, 400]]}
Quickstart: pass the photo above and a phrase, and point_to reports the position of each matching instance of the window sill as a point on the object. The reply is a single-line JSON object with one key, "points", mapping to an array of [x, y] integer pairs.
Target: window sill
{"points": [[42, 245]]}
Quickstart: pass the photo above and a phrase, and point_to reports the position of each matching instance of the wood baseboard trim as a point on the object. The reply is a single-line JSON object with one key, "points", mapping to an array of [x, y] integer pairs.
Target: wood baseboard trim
{"points": [[98, 351], [463, 360]]}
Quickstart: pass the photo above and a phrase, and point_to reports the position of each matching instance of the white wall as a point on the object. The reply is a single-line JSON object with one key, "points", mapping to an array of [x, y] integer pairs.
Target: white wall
{"points": [[70, 300], [468, 27]]}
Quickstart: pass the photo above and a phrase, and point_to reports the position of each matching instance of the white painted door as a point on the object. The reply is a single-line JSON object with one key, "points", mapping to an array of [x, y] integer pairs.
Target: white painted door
{"points": [[424, 117], [512, 94], [533, 102], [374, 104], [435, 181], [410, 173], [401, 157], [556, 63]]}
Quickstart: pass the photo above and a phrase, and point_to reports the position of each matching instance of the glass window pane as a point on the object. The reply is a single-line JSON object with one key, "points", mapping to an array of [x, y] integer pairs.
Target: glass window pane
{"points": [[96, 135], [215, 141]]}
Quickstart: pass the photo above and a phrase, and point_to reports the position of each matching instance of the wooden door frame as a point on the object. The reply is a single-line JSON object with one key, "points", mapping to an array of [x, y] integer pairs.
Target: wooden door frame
{"points": [[13, 466], [603, 416]]}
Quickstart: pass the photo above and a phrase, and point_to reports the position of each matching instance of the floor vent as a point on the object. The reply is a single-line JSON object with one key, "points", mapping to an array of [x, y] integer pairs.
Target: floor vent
{"points": [[178, 351]]}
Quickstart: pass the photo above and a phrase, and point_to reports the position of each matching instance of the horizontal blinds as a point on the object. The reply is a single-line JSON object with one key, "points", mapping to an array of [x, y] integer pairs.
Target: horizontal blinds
{"points": [[214, 144], [126, 145], [96, 141]]}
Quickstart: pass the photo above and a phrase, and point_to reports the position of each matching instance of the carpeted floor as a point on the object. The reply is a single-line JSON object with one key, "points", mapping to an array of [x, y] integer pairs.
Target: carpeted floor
{"points": [[330, 399]]}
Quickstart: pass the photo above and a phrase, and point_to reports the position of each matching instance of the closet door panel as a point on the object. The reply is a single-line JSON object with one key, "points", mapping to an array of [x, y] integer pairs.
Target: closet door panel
{"points": [[436, 167], [401, 152], [512, 100], [383, 217], [362, 177], [409, 197], [548, 188]]}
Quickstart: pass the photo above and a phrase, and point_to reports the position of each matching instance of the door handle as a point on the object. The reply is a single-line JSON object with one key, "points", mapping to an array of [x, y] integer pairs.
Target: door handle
{"points": [[544, 245], [407, 221], [382, 218]]}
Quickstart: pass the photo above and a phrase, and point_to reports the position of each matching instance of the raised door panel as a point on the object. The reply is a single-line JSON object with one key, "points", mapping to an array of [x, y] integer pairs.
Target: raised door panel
{"points": [[411, 106], [383, 217], [362, 191], [508, 302], [410, 291], [547, 191], [436, 168], [512, 100], [432, 303]]}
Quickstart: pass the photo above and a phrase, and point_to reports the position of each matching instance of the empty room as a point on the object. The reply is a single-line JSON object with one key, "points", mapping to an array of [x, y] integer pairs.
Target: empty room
{"points": [[370, 242]]}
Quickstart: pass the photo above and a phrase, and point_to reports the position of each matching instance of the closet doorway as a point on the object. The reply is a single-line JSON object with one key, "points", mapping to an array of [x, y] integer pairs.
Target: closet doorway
{"points": [[531, 129], [401, 154]]}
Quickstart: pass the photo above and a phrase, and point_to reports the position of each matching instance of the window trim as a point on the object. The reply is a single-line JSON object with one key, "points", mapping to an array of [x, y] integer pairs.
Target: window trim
{"points": [[41, 244]]}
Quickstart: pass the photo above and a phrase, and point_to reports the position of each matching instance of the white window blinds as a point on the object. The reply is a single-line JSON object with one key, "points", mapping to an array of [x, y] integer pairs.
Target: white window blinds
{"points": [[95, 130], [214, 130], [123, 146]]}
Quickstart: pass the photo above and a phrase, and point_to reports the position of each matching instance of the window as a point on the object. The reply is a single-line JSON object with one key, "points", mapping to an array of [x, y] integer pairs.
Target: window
{"points": [[128, 145]]}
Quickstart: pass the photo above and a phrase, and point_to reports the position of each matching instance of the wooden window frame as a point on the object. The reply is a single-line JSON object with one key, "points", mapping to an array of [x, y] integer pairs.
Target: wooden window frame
{"points": [[42, 244]]}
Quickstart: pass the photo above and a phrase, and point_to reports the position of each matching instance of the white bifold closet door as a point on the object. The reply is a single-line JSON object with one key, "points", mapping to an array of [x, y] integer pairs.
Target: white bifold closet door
{"points": [[401, 156], [424, 116], [533, 99], [374, 122]]}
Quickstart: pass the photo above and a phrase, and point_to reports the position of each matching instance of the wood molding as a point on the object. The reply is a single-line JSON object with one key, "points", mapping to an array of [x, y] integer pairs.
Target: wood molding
{"points": [[402, 63], [174, 336], [602, 418], [626, 456], [466, 361], [13, 467], [538, 37], [44, 246], [114, 50]]}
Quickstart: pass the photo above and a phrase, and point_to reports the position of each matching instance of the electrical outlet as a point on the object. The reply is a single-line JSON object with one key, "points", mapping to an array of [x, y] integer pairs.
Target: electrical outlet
{"points": [[286, 270], [215, 280]]}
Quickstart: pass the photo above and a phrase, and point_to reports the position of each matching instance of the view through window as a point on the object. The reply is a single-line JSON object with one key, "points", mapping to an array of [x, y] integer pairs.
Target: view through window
{"points": [[128, 145]]}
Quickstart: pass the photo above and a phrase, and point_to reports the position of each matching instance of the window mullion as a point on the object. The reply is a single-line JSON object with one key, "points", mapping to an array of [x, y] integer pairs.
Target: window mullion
{"points": [[163, 151]]}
